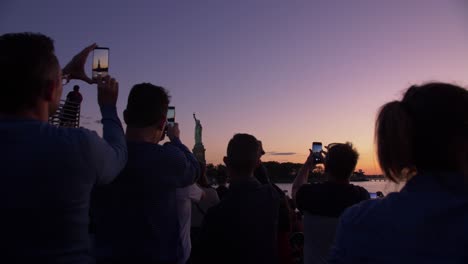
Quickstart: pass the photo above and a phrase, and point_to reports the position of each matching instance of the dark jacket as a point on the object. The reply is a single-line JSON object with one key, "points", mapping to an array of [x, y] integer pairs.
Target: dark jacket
{"points": [[242, 228]]}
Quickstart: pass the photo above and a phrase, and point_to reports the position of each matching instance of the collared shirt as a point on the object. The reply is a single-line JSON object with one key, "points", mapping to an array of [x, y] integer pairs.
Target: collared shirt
{"points": [[46, 175], [136, 215], [426, 222], [242, 228]]}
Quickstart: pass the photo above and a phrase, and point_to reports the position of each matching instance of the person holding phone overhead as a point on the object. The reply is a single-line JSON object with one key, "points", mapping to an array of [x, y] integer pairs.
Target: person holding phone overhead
{"points": [[48, 172], [332, 197], [323, 203], [138, 216]]}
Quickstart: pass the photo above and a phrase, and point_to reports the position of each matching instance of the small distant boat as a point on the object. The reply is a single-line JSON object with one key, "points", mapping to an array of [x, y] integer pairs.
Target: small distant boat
{"points": [[358, 176]]}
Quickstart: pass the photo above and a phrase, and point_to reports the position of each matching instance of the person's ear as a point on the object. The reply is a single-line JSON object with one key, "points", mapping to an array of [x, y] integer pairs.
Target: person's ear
{"points": [[161, 125], [50, 90]]}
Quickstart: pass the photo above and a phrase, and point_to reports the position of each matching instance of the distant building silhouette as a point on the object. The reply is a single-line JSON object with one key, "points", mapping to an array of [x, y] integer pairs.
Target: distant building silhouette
{"points": [[99, 68]]}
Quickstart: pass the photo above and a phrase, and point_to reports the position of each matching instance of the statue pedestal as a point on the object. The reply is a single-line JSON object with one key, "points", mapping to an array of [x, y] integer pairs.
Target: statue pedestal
{"points": [[199, 152]]}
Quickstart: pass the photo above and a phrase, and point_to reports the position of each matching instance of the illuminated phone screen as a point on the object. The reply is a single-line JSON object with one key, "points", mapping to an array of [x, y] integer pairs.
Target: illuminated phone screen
{"points": [[316, 147], [171, 114], [100, 62]]}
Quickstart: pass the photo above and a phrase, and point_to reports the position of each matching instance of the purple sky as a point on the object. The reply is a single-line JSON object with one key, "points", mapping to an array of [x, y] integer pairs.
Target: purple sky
{"points": [[289, 72]]}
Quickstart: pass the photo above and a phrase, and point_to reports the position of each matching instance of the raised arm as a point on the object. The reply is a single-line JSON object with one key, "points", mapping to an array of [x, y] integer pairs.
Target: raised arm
{"points": [[303, 174], [109, 156], [184, 165]]}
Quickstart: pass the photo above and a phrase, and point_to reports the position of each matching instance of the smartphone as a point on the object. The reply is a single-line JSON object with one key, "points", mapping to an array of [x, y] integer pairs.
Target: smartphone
{"points": [[317, 152], [170, 118], [373, 195], [100, 62], [171, 115]]}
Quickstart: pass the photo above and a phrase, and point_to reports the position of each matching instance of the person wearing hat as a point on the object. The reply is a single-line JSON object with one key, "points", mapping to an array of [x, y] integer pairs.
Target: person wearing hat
{"points": [[137, 217]]}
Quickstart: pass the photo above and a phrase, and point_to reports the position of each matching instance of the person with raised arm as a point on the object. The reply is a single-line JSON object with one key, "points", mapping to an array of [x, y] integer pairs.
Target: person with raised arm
{"points": [[48, 172], [138, 216]]}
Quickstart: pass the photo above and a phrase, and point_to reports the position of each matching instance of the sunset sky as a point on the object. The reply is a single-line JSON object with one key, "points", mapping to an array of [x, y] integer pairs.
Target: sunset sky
{"points": [[288, 72], [99, 57]]}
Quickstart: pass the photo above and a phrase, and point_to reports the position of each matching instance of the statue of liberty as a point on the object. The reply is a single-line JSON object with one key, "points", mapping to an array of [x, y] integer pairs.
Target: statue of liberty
{"points": [[198, 131]]}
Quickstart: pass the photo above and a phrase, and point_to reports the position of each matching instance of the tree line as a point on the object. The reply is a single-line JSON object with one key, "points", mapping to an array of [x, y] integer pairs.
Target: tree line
{"points": [[278, 172]]}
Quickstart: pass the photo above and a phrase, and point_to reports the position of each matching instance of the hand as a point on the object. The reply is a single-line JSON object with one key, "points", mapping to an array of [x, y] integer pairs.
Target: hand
{"points": [[173, 131], [310, 159], [108, 91], [75, 68]]}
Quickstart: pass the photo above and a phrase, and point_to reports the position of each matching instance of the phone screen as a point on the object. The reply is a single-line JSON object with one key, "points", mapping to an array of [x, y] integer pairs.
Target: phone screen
{"points": [[171, 114], [316, 147], [100, 62], [373, 195]]}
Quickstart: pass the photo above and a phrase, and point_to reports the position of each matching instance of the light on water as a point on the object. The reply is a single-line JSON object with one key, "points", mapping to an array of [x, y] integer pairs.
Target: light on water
{"points": [[371, 186]]}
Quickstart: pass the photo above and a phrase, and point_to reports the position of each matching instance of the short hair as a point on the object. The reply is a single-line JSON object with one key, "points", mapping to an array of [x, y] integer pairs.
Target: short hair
{"points": [[341, 160], [427, 130], [147, 105], [27, 65], [243, 153], [76, 88]]}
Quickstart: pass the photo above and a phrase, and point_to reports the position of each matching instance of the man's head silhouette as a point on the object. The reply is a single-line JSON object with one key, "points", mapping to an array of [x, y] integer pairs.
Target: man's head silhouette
{"points": [[340, 161], [30, 74], [243, 155]]}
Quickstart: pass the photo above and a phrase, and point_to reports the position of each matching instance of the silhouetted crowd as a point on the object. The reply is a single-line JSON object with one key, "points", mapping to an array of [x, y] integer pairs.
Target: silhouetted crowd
{"points": [[70, 196]]}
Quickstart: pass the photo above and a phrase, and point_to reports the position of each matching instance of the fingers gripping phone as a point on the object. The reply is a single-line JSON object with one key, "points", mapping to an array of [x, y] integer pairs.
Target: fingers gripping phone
{"points": [[317, 152], [100, 62]]}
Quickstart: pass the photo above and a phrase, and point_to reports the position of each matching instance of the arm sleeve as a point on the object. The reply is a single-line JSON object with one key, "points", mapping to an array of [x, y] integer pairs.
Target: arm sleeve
{"points": [[182, 164], [107, 156], [195, 193]]}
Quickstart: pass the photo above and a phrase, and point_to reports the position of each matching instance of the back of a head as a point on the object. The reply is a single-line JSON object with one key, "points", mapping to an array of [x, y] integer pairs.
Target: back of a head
{"points": [[242, 154], [76, 88], [427, 130], [341, 161], [147, 105], [27, 65]]}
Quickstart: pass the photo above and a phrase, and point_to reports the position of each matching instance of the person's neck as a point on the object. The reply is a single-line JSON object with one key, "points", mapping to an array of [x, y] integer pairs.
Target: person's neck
{"points": [[37, 113], [146, 134]]}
